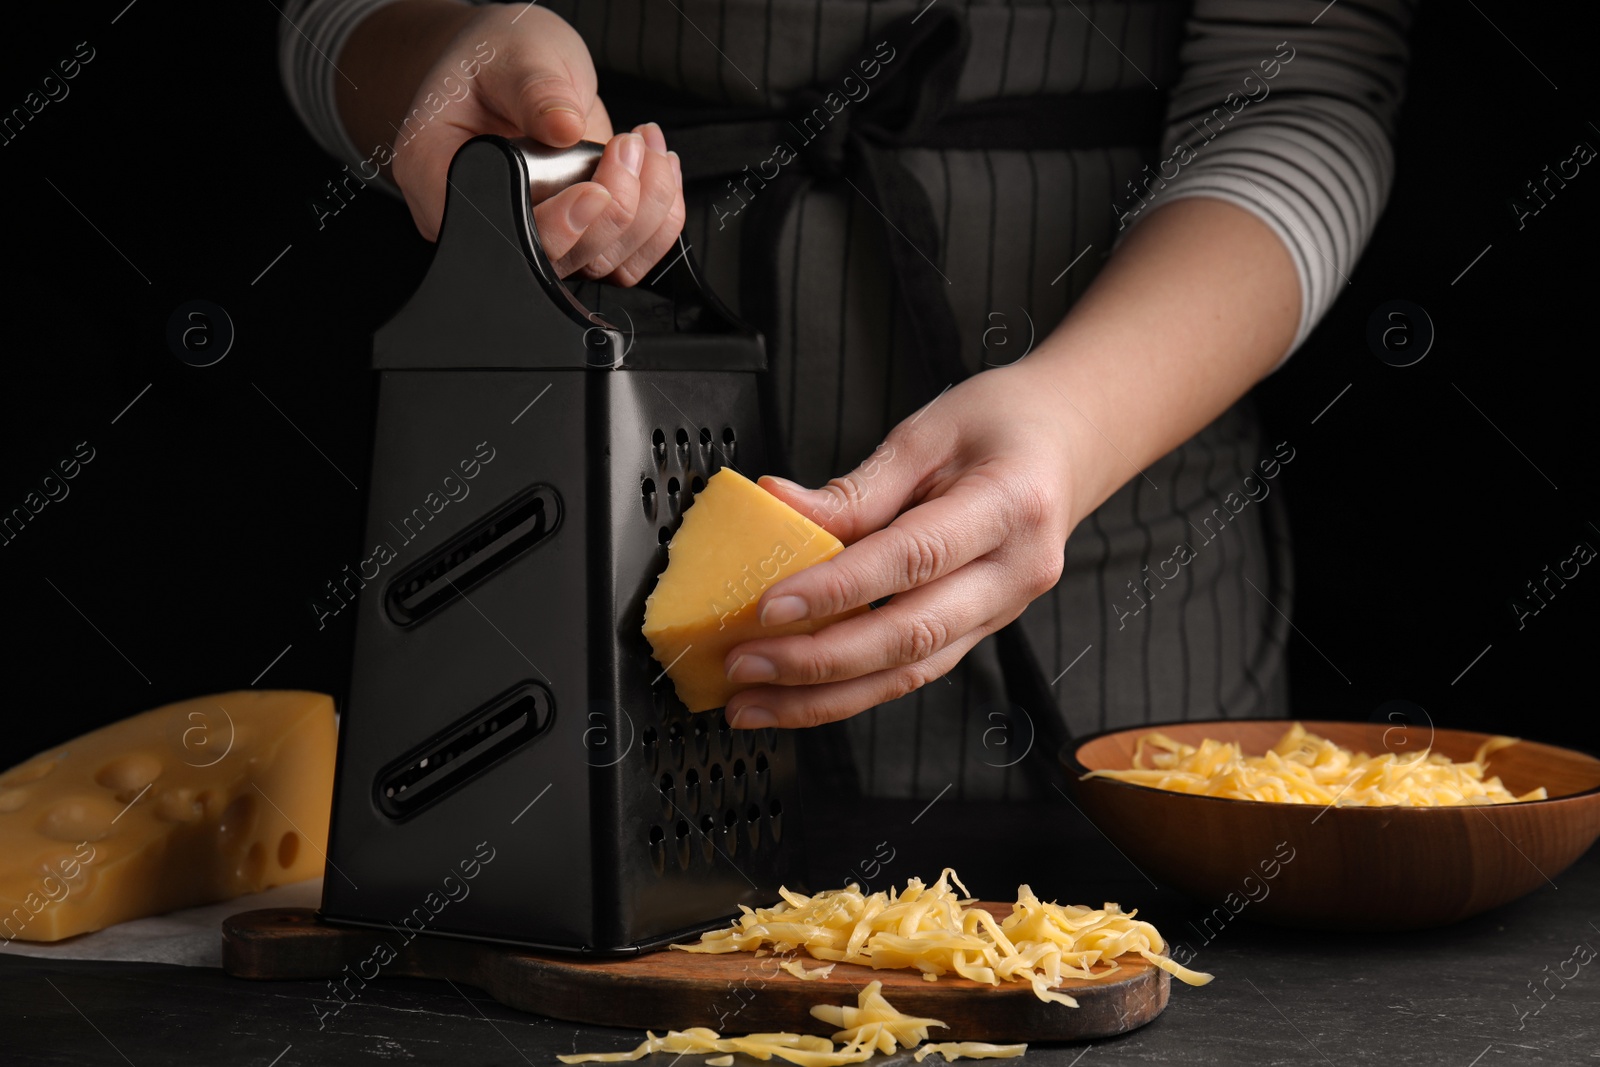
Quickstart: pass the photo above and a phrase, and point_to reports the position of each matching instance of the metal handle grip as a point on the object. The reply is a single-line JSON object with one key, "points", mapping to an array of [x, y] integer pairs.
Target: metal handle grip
{"points": [[551, 170]]}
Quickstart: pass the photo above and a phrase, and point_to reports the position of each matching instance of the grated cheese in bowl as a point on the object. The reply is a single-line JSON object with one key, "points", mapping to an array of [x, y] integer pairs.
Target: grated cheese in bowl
{"points": [[1303, 768]]}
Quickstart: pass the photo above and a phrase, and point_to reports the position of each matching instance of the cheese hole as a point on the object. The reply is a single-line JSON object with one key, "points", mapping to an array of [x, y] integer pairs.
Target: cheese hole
{"points": [[78, 819], [238, 820], [133, 771], [288, 849], [12, 799], [31, 772]]}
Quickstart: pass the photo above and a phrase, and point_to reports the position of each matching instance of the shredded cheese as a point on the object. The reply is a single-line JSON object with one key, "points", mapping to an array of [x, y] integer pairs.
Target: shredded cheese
{"points": [[931, 929], [971, 1050], [871, 1026], [1303, 768], [798, 969]]}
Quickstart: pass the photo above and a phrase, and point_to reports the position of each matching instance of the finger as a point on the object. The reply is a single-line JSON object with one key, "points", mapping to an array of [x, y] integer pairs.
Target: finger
{"points": [[869, 497], [928, 542], [563, 219], [799, 706], [653, 137], [909, 629], [662, 243], [613, 172], [657, 219], [645, 194], [549, 91]]}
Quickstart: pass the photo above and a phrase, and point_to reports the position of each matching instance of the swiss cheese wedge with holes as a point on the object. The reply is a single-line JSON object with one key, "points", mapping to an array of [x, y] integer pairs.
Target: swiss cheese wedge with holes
{"points": [[737, 540], [187, 804]]}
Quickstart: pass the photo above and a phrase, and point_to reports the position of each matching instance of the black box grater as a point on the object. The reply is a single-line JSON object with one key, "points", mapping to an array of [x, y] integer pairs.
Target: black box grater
{"points": [[513, 765]]}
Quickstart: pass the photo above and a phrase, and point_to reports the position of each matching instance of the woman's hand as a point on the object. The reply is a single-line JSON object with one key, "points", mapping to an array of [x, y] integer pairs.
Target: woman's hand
{"points": [[535, 79], [962, 515]]}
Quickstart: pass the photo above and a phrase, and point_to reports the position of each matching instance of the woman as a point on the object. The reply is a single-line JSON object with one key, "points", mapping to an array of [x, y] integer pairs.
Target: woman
{"points": [[988, 174]]}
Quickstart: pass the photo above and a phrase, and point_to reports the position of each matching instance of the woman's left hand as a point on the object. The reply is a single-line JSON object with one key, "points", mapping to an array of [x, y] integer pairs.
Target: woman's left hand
{"points": [[962, 515]]}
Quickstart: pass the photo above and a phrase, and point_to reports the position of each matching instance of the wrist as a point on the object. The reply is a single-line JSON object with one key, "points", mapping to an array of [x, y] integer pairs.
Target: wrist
{"points": [[1057, 377]]}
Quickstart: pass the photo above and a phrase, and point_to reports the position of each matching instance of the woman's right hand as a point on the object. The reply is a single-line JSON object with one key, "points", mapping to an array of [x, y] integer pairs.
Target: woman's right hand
{"points": [[535, 79]]}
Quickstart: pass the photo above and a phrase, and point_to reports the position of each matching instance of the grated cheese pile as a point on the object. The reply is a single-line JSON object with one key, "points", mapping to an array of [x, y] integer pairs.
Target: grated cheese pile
{"points": [[933, 930], [873, 1025], [1303, 768]]}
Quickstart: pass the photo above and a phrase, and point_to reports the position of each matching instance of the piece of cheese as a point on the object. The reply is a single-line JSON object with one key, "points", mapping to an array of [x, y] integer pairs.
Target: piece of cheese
{"points": [[736, 541], [969, 1050], [1303, 768], [190, 803]]}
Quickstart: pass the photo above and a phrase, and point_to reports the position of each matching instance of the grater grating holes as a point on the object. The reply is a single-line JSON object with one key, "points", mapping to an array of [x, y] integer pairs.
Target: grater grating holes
{"points": [[708, 837], [691, 790], [752, 825], [683, 845], [658, 849], [716, 782], [648, 489]]}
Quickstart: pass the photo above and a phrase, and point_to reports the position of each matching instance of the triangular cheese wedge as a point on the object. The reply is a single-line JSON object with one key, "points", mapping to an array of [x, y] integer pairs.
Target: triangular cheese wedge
{"points": [[736, 541], [190, 803]]}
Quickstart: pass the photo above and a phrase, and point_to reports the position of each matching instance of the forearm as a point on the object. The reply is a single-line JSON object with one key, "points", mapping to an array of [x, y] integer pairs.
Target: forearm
{"points": [[1197, 304], [385, 60]]}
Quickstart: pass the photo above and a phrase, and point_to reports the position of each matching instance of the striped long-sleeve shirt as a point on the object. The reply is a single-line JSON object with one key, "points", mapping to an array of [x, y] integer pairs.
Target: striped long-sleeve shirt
{"points": [[1176, 591]]}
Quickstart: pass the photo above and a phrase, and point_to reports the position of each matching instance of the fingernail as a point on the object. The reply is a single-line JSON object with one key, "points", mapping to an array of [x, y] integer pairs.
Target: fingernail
{"points": [[677, 167], [588, 207], [752, 669], [652, 135], [784, 609], [752, 718], [559, 107], [633, 153]]}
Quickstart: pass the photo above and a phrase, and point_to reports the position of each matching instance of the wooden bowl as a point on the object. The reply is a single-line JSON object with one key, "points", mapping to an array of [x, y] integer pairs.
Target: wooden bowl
{"points": [[1345, 868]]}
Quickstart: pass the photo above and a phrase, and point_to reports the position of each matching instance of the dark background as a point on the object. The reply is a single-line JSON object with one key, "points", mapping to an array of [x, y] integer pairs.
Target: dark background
{"points": [[185, 557]]}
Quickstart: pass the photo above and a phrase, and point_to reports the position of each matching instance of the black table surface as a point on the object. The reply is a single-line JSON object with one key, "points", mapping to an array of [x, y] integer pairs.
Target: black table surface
{"points": [[1487, 992]]}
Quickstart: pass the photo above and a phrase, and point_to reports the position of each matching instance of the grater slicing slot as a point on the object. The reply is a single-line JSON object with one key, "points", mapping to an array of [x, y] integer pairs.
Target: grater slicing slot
{"points": [[463, 750], [472, 555]]}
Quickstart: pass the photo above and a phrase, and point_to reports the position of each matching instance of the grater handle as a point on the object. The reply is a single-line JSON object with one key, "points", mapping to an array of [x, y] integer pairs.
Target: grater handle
{"points": [[551, 170]]}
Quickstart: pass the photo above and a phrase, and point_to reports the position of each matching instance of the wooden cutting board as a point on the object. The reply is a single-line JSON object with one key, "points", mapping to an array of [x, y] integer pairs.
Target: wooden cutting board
{"points": [[735, 993]]}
